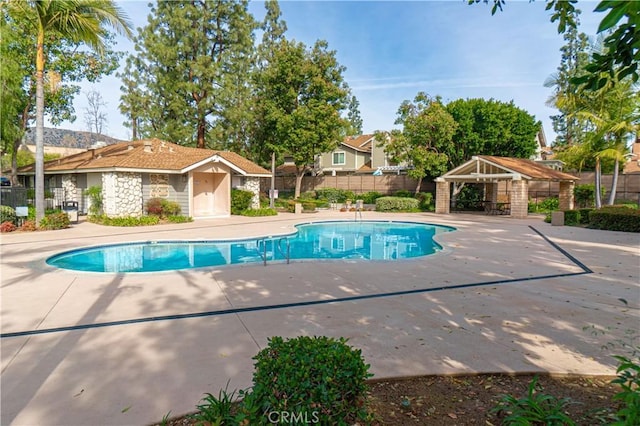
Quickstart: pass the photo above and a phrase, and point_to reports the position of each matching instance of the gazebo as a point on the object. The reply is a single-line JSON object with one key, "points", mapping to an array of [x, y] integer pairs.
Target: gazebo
{"points": [[491, 170]]}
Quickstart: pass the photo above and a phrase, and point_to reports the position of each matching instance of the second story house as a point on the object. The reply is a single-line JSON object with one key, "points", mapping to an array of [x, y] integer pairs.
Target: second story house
{"points": [[357, 154]]}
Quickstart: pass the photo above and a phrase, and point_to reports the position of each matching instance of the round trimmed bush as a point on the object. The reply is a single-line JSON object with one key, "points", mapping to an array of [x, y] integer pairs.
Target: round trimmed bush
{"points": [[321, 377], [7, 214]]}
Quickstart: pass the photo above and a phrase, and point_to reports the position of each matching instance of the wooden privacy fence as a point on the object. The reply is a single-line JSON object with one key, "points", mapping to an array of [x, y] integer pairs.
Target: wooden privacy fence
{"points": [[386, 184], [628, 187]]}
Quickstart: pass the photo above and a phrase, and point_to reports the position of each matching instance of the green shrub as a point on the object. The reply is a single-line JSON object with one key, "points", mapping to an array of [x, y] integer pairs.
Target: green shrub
{"points": [[125, 221], [170, 208], [426, 201], [470, 198], [613, 218], [584, 216], [403, 193], [240, 200], [179, 219], [549, 204], [571, 217], [397, 204], [369, 197], [214, 410], [259, 212], [95, 195], [628, 377], [308, 206], [55, 221], [7, 214], [162, 207], [334, 195], [585, 195], [536, 408], [308, 195], [313, 376]]}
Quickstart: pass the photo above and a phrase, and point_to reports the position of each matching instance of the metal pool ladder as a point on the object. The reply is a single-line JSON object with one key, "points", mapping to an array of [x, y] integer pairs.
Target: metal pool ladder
{"points": [[261, 245]]}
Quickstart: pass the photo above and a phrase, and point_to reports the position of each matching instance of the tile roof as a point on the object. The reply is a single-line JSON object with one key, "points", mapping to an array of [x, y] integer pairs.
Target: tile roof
{"points": [[133, 155], [359, 143], [528, 168]]}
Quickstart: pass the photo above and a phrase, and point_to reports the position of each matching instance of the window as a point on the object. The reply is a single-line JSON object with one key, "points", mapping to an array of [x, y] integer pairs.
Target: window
{"points": [[338, 158]]}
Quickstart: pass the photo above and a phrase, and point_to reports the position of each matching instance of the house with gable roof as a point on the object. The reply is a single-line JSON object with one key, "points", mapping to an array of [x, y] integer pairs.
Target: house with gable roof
{"points": [[357, 154], [131, 173]]}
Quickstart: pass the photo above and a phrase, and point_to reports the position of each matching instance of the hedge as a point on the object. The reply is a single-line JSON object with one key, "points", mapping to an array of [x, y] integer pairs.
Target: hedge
{"points": [[397, 204], [615, 219]]}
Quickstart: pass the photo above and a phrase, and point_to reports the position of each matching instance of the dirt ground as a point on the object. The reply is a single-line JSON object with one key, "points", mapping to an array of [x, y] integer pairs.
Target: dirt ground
{"points": [[469, 400]]}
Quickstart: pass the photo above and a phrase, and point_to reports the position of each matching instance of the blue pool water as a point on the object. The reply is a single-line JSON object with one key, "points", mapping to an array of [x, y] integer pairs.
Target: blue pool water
{"points": [[369, 240]]}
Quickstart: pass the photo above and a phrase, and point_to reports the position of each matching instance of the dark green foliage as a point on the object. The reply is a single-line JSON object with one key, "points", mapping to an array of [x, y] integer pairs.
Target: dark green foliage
{"points": [[7, 214], [397, 204], [403, 193], [628, 377], [240, 200], [547, 205], [490, 127], [535, 408], [571, 217], [334, 195], [613, 218], [214, 410], [470, 198], [95, 195], [55, 221], [585, 195], [162, 207], [309, 206], [179, 219], [259, 212], [318, 376], [126, 221], [584, 216], [426, 201], [369, 197]]}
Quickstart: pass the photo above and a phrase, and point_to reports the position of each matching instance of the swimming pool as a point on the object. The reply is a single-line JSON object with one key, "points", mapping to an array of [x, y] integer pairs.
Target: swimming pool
{"points": [[368, 240]]}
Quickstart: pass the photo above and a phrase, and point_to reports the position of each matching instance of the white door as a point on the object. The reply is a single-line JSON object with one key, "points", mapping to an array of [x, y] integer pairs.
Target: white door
{"points": [[203, 194]]}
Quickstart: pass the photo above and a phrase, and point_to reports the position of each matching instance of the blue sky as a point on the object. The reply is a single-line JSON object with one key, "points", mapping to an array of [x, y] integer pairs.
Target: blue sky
{"points": [[394, 49]]}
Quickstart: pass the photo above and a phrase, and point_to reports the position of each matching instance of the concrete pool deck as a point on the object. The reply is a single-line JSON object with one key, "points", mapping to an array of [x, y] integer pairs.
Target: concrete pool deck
{"points": [[505, 295]]}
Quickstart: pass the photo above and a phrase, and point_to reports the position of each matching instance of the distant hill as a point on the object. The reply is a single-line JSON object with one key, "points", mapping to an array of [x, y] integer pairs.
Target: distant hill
{"points": [[64, 138]]}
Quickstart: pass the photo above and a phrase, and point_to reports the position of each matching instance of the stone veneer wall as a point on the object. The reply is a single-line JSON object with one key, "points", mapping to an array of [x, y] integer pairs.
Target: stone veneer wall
{"points": [[70, 188], [122, 194], [253, 184]]}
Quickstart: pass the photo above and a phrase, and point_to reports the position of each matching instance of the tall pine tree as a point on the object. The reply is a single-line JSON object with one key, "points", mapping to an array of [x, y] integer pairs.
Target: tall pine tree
{"points": [[193, 60]]}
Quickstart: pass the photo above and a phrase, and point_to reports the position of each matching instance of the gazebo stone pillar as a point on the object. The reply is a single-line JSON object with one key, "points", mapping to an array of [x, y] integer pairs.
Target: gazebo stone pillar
{"points": [[443, 196], [565, 195], [519, 198]]}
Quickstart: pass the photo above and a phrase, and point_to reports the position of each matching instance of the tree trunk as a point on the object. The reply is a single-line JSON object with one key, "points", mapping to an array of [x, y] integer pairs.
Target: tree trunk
{"points": [[40, 208], [418, 186], [614, 184], [202, 125], [598, 193], [299, 176]]}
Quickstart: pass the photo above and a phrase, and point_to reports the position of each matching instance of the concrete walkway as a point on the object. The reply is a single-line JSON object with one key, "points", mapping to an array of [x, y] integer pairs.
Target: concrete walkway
{"points": [[505, 295]]}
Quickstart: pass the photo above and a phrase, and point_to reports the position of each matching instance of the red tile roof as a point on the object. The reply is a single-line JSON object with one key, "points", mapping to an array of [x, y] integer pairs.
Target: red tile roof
{"points": [[151, 154]]}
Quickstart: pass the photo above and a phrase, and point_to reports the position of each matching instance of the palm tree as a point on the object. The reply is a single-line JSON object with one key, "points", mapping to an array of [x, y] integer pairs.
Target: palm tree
{"points": [[79, 21]]}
